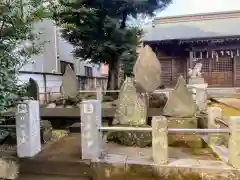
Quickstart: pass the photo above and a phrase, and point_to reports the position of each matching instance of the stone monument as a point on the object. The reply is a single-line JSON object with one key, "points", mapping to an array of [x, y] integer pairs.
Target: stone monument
{"points": [[147, 70], [131, 107], [180, 111], [180, 103], [131, 111], [69, 91], [70, 84], [33, 89]]}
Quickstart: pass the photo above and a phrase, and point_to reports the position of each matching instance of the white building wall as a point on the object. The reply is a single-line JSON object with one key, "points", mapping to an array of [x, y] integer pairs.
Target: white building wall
{"points": [[47, 61]]}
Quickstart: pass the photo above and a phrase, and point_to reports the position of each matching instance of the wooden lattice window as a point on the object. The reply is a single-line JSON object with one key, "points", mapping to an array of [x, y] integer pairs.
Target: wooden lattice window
{"points": [[222, 64]]}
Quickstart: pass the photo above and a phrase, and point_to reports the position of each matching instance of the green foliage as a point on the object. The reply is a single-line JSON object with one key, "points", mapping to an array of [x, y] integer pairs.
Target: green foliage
{"points": [[17, 44], [98, 29]]}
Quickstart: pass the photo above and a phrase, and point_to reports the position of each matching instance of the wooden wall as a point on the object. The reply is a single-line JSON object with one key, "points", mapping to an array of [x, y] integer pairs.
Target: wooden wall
{"points": [[172, 68]]}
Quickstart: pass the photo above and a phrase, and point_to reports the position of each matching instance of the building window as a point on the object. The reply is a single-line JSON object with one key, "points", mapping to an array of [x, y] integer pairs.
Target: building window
{"points": [[63, 66], [88, 71]]}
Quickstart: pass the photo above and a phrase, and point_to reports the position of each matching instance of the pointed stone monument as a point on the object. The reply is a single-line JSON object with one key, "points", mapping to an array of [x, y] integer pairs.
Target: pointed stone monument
{"points": [[69, 87], [147, 70], [180, 103], [33, 89], [131, 107]]}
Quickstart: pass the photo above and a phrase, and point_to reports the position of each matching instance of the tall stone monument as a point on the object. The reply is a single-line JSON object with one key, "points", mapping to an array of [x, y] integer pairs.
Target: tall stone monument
{"points": [[33, 89], [147, 70], [70, 85], [131, 107]]}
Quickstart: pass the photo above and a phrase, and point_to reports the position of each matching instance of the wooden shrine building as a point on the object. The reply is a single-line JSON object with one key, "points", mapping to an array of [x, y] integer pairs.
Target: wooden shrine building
{"points": [[213, 39]]}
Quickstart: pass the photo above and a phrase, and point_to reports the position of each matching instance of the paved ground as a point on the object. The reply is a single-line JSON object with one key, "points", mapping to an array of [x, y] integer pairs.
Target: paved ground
{"points": [[230, 106], [62, 159]]}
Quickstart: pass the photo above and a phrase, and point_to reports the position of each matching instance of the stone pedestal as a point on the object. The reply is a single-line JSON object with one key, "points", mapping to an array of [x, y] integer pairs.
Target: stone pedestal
{"points": [[199, 92], [160, 140], [234, 141]]}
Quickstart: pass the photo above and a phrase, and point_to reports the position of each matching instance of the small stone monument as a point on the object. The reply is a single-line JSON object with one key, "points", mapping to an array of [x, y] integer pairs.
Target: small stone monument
{"points": [[70, 85], [33, 89], [180, 103]]}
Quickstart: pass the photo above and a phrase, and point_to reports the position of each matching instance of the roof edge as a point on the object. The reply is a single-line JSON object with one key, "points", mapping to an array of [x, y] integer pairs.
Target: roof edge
{"points": [[197, 17]]}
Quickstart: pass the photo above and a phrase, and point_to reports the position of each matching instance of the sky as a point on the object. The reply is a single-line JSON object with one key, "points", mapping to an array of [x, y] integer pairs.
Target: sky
{"points": [[180, 7]]}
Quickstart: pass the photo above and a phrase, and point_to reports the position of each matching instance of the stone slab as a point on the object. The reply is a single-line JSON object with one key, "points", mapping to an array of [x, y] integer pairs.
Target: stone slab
{"points": [[232, 102]]}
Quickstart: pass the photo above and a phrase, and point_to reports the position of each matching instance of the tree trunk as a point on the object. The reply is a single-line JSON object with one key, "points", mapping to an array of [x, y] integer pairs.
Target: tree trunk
{"points": [[112, 83]]}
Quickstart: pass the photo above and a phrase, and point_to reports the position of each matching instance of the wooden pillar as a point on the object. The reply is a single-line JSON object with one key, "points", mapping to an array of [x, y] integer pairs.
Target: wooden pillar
{"points": [[190, 59], [172, 70], [234, 71]]}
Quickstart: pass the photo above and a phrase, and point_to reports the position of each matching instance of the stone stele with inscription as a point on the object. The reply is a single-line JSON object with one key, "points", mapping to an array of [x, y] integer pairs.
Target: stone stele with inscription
{"points": [[131, 107]]}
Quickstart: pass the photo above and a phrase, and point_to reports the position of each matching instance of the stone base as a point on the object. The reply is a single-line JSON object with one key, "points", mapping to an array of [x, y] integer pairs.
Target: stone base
{"points": [[139, 139], [184, 139], [196, 80]]}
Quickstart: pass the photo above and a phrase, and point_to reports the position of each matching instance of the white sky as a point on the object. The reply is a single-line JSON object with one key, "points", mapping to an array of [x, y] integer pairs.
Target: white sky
{"points": [[180, 7]]}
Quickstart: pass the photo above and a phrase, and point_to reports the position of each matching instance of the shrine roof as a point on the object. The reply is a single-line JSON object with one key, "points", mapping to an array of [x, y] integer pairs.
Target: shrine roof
{"points": [[195, 26]]}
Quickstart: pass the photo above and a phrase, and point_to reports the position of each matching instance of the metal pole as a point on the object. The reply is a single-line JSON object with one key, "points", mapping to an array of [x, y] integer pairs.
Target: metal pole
{"points": [[171, 130]]}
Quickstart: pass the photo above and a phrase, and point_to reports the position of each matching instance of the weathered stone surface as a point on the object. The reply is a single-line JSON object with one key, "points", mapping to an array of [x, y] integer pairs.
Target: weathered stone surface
{"points": [[70, 85], [33, 89], [140, 139], [131, 107], [196, 80], [160, 140], [157, 100], [234, 142], [184, 139], [147, 70], [180, 103], [214, 138]]}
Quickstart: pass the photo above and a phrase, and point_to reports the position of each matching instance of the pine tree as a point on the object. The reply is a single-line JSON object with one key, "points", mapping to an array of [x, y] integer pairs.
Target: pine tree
{"points": [[98, 29], [16, 45]]}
